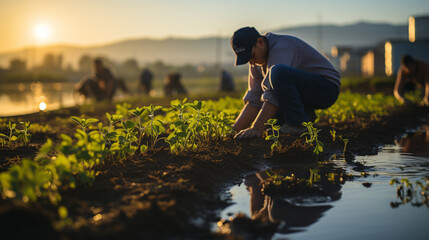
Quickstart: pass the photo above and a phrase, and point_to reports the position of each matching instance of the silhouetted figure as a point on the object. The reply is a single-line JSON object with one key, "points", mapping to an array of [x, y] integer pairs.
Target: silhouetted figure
{"points": [[412, 73], [101, 85], [173, 85], [146, 81], [226, 82]]}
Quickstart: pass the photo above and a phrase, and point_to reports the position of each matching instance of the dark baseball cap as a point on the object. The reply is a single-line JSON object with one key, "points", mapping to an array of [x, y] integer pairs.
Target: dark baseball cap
{"points": [[242, 43]]}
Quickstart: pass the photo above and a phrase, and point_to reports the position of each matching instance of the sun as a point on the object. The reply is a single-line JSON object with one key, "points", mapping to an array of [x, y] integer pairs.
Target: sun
{"points": [[42, 31]]}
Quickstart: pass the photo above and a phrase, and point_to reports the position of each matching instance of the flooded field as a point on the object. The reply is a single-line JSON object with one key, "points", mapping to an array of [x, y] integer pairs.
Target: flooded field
{"points": [[20, 98], [28, 98], [344, 200]]}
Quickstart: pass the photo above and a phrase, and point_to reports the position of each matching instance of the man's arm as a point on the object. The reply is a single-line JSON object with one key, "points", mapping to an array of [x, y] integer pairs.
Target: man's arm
{"points": [[252, 100], [399, 85], [246, 117], [268, 111]]}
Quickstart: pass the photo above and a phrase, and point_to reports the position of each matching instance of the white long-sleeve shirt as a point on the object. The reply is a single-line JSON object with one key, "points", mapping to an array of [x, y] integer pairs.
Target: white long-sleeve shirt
{"points": [[290, 51]]}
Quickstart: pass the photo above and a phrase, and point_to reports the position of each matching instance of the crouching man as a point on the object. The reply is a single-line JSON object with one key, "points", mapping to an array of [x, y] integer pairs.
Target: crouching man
{"points": [[412, 72], [101, 85], [288, 79]]}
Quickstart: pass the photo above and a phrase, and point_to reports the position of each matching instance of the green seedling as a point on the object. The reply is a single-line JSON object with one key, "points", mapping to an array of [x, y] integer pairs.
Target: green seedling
{"points": [[219, 126], [180, 106], [110, 134], [113, 119], [179, 139], [84, 123], [196, 123], [124, 145], [12, 129], [345, 140], [314, 176], [154, 128], [417, 194], [312, 132], [333, 134], [275, 134], [139, 113], [23, 135], [277, 179], [3, 139], [63, 215], [123, 109]]}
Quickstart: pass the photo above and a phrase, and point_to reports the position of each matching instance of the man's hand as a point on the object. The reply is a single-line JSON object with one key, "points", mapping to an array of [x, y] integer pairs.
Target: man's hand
{"points": [[232, 131], [425, 102], [249, 133], [403, 100]]}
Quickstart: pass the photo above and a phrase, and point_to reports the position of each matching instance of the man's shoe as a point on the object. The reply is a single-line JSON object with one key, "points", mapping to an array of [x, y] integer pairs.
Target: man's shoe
{"points": [[287, 129]]}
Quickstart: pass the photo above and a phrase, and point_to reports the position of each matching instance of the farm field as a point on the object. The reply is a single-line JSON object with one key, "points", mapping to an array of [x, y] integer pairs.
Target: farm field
{"points": [[159, 169]]}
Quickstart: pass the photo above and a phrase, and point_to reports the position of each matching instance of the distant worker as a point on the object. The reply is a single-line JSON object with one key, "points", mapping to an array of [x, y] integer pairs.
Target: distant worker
{"points": [[146, 81], [101, 85], [227, 82], [412, 72], [173, 85]]}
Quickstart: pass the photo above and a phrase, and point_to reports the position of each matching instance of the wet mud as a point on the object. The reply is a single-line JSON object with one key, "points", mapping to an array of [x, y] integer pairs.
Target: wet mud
{"points": [[160, 195]]}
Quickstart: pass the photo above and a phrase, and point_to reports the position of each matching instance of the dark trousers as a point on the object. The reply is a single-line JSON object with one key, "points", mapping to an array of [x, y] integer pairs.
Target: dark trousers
{"points": [[299, 93]]}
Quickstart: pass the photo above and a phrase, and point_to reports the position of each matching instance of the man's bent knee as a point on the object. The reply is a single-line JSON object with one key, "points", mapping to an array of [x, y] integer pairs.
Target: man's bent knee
{"points": [[279, 76]]}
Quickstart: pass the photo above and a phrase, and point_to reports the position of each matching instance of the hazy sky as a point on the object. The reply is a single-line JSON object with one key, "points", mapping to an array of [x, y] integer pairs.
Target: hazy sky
{"points": [[89, 22]]}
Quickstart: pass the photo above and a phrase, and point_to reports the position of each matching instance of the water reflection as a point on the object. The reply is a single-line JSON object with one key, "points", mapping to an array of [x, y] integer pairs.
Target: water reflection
{"points": [[26, 98], [416, 193], [416, 143], [322, 202], [294, 199]]}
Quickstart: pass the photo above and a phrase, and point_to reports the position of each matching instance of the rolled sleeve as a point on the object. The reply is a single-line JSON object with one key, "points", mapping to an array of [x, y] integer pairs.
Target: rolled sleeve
{"points": [[254, 90], [268, 93], [268, 96], [253, 98]]}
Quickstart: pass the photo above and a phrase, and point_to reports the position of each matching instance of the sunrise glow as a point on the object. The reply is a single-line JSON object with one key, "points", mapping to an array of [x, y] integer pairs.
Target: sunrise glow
{"points": [[42, 31]]}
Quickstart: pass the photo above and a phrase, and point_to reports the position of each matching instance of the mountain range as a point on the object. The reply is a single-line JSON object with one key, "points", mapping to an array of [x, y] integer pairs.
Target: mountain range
{"points": [[213, 49]]}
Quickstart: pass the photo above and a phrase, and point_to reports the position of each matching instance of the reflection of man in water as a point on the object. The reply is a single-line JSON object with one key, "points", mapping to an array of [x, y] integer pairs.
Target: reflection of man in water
{"points": [[101, 85], [416, 143], [146, 81], [277, 209], [173, 85], [412, 72]]}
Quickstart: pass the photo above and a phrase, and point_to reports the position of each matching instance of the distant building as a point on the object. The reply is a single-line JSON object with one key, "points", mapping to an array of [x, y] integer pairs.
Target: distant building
{"points": [[395, 49], [418, 28], [372, 62], [417, 45], [17, 65], [385, 59], [346, 60]]}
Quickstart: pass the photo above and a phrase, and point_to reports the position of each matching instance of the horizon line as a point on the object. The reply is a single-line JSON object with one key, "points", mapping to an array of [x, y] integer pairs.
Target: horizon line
{"points": [[178, 37]]}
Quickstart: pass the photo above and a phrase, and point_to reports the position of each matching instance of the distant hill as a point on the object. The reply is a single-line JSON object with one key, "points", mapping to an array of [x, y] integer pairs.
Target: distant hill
{"points": [[203, 50]]}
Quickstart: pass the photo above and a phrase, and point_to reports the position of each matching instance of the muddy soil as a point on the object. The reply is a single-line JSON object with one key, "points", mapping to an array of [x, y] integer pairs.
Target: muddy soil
{"points": [[160, 195]]}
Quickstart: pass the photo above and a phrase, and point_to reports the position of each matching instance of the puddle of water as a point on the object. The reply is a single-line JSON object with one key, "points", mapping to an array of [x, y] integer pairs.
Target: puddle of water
{"points": [[326, 202], [28, 98], [22, 98]]}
